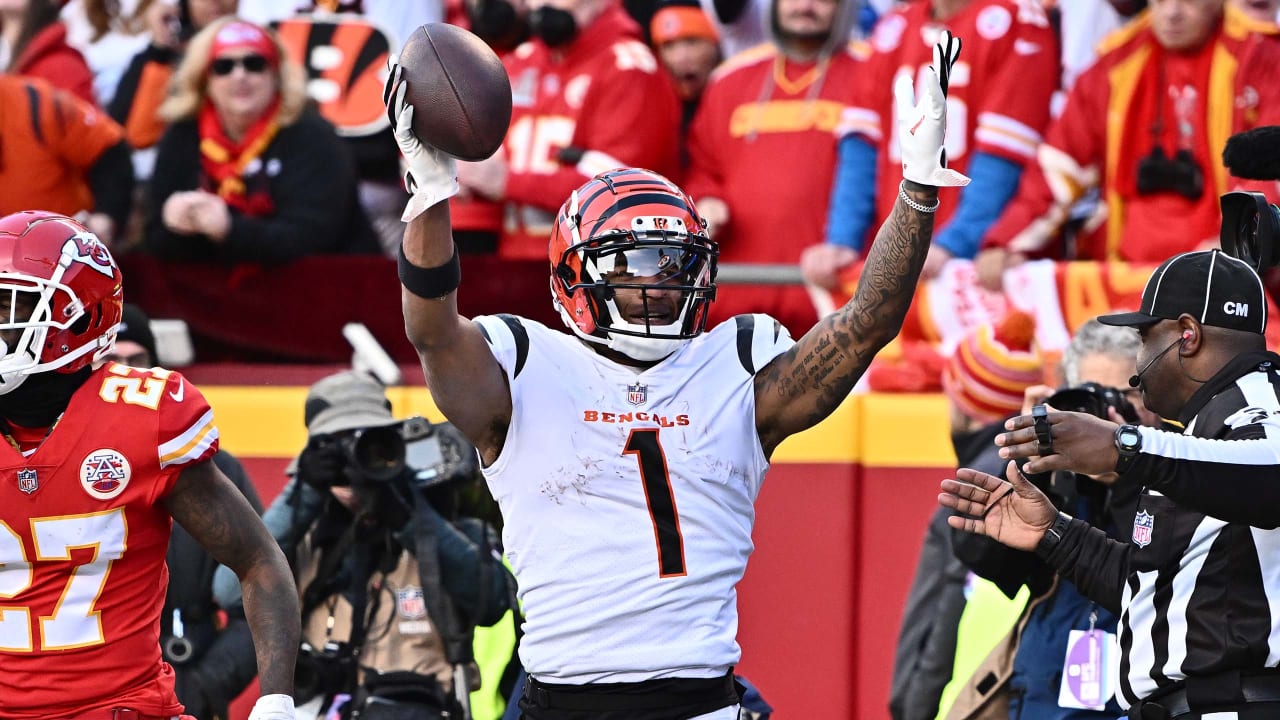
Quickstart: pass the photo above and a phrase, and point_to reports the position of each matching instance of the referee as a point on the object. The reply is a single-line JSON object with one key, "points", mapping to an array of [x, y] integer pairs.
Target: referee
{"points": [[1197, 587]]}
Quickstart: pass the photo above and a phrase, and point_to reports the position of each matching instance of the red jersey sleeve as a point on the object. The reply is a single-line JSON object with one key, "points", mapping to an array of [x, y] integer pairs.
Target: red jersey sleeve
{"points": [[630, 117], [1068, 164], [186, 434], [1023, 69], [864, 115]]}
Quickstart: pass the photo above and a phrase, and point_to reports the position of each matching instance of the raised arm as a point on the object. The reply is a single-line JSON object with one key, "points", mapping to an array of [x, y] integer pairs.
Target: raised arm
{"points": [[466, 381], [805, 384]]}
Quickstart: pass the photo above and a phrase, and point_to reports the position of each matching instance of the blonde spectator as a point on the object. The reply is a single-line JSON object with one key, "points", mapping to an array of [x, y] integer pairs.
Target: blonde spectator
{"points": [[251, 173], [143, 86]]}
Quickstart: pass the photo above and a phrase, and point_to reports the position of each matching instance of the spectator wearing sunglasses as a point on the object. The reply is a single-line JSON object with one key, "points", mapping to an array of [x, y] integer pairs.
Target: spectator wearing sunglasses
{"points": [[251, 174], [144, 83]]}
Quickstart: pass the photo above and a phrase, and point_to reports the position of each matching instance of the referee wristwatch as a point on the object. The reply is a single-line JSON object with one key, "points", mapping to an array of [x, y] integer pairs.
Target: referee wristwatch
{"points": [[1128, 444]]}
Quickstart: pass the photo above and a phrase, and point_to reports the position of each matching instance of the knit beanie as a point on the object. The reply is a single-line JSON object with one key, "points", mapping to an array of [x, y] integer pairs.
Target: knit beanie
{"points": [[991, 368]]}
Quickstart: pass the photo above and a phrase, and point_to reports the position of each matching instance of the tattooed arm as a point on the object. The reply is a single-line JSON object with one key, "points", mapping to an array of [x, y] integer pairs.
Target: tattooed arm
{"points": [[802, 386], [805, 384], [218, 516]]}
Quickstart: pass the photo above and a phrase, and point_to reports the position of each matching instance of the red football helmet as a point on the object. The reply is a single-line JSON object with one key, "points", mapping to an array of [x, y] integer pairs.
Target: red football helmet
{"points": [[633, 229], [64, 273]]}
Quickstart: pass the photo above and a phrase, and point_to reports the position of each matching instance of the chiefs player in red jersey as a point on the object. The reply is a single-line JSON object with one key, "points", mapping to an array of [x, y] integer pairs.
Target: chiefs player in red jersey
{"points": [[96, 464]]}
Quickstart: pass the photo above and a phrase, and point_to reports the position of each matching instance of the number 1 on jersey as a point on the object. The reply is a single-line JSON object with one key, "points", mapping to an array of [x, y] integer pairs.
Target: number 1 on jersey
{"points": [[643, 443]]}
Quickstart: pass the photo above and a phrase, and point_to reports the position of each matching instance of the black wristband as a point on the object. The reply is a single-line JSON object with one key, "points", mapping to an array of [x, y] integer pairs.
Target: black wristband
{"points": [[430, 283], [1053, 535]]}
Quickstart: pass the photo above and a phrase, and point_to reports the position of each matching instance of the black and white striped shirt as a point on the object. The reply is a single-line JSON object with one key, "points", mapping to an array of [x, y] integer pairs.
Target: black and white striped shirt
{"points": [[1197, 584]]}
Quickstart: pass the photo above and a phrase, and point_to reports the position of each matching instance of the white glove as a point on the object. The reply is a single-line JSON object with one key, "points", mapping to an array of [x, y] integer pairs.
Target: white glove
{"points": [[432, 175], [273, 707], [922, 127]]}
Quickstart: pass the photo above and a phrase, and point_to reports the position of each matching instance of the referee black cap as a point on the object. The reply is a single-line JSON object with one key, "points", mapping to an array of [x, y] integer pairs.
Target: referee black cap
{"points": [[1210, 285]]}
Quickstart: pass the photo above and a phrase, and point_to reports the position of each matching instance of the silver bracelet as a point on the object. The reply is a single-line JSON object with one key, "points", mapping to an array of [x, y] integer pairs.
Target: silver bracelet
{"points": [[902, 195]]}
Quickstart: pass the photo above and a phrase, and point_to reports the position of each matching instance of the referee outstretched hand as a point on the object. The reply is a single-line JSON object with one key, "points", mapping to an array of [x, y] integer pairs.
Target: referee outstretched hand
{"points": [[1080, 442], [1014, 513]]}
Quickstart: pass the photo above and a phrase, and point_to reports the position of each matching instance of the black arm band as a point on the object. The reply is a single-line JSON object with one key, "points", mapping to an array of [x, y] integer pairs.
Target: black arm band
{"points": [[430, 283], [1053, 535]]}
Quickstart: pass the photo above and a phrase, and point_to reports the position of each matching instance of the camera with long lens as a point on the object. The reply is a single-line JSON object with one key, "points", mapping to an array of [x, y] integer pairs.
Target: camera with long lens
{"points": [[328, 670], [1181, 174], [435, 453], [1095, 399], [1250, 229]]}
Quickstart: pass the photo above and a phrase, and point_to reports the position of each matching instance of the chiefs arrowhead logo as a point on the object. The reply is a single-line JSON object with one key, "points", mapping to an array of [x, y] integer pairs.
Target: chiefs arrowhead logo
{"points": [[85, 248]]}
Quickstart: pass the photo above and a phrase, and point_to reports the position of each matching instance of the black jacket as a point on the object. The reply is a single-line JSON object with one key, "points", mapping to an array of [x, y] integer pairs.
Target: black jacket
{"points": [[311, 179]]}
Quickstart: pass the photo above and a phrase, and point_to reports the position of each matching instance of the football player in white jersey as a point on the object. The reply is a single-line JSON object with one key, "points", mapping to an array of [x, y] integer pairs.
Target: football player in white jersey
{"points": [[626, 456]]}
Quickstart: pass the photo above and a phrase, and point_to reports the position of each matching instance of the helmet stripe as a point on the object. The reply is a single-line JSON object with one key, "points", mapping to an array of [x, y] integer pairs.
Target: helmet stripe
{"points": [[630, 201], [612, 187]]}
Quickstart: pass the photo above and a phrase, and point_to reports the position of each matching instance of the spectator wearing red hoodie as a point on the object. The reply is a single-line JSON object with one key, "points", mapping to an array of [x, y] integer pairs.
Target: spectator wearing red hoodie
{"points": [[35, 43]]}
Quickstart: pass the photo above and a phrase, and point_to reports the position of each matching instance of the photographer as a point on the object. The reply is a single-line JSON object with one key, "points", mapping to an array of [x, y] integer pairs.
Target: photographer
{"points": [[392, 580], [1193, 586], [1098, 359]]}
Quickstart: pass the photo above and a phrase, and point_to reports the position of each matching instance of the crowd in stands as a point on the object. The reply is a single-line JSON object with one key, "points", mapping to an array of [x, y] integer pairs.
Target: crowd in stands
{"points": [[261, 141], [250, 134]]}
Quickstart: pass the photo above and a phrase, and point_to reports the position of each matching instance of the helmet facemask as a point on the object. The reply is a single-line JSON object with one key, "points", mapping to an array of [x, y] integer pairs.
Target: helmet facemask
{"points": [[53, 306], [655, 257]]}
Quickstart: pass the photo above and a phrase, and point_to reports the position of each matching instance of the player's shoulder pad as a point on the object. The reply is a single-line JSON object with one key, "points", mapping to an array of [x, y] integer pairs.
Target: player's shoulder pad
{"points": [[142, 381], [506, 332], [744, 59], [760, 339], [123, 370]]}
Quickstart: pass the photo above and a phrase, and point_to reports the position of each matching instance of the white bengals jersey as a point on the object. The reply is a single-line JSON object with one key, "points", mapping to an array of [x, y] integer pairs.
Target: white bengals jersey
{"points": [[628, 499]]}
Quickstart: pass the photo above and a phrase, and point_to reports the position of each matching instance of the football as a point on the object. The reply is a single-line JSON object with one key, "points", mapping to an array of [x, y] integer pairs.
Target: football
{"points": [[459, 90]]}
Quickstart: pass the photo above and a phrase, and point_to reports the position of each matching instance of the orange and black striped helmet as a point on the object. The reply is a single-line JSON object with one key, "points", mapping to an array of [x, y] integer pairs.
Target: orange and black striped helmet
{"points": [[631, 229]]}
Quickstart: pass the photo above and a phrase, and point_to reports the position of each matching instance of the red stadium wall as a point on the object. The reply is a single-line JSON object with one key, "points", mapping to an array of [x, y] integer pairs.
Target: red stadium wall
{"points": [[839, 525]]}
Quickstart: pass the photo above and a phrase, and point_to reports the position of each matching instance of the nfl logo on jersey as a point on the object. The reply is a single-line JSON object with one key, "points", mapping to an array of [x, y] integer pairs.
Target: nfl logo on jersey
{"points": [[1142, 525], [410, 603], [27, 481], [637, 394]]}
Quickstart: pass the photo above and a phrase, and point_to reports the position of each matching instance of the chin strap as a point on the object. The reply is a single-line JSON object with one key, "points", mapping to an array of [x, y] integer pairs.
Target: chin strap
{"points": [[644, 349]]}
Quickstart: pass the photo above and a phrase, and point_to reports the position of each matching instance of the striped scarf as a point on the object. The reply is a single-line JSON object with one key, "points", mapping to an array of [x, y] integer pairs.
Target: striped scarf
{"points": [[225, 161]]}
